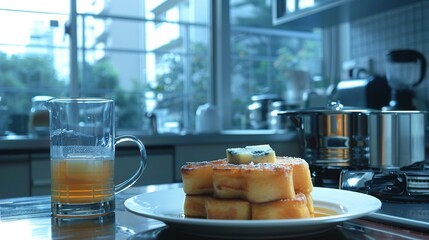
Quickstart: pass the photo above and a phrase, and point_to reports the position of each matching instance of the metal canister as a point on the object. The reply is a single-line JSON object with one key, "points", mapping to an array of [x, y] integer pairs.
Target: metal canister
{"points": [[280, 122], [259, 110], [397, 138]]}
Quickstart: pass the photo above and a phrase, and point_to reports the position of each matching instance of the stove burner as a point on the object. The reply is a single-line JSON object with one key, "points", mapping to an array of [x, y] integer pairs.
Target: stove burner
{"points": [[418, 184], [410, 183]]}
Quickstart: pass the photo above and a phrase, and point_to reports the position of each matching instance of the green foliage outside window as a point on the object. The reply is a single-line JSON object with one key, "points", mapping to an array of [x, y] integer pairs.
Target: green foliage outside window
{"points": [[25, 76]]}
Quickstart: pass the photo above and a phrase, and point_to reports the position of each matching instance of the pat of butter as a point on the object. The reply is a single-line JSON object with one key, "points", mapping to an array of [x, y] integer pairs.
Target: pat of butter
{"points": [[256, 154]]}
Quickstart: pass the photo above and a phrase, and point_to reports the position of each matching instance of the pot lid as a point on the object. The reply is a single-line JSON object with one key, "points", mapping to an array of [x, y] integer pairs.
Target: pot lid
{"points": [[268, 96], [333, 107]]}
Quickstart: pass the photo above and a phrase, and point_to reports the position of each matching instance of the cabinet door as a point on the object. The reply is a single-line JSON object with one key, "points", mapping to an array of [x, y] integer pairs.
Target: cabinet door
{"points": [[14, 176], [159, 168], [40, 174]]}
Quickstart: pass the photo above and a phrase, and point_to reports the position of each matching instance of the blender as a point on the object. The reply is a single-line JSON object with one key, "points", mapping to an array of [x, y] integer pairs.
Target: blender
{"points": [[405, 70]]}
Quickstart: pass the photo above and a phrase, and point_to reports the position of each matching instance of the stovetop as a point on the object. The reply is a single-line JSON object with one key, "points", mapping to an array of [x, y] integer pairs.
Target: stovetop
{"points": [[404, 191], [405, 214], [405, 184]]}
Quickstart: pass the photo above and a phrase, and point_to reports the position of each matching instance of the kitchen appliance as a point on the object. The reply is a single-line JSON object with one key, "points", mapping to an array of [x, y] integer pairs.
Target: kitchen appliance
{"points": [[334, 135], [259, 110], [280, 122], [396, 138], [408, 183], [396, 172], [405, 70], [342, 136], [371, 92]]}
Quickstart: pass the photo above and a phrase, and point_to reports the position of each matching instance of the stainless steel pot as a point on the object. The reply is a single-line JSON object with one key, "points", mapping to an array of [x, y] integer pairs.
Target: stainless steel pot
{"points": [[345, 136], [259, 110], [280, 122], [397, 138]]}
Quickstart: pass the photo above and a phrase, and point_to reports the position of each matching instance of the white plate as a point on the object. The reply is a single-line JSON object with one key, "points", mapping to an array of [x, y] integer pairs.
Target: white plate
{"points": [[167, 206]]}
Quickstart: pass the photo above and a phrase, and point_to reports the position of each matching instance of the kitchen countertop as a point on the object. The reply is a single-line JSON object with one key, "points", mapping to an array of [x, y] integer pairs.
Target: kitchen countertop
{"points": [[19, 142], [30, 218]]}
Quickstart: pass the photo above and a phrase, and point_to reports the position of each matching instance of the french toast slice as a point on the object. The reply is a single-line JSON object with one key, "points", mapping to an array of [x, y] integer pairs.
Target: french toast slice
{"points": [[310, 203], [197, 176], [301, 173], [235, 209], [282, 209], [194, 205], [255, 153], [256, 183]]}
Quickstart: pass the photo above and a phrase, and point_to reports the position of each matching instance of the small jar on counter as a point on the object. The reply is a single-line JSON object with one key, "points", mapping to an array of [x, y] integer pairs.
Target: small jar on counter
{"points": [[38, 123]]}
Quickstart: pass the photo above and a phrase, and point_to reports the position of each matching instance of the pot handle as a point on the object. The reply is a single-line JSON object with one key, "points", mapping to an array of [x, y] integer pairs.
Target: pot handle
{"points": [[294, 117], [297, 122], [335, 105]]}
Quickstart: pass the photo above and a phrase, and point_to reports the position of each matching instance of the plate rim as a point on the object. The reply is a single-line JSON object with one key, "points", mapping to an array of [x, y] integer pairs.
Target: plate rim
{"points": [[179, 219]]}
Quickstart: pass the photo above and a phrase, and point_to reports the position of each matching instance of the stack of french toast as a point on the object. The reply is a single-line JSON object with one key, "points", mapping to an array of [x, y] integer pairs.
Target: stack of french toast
{"points": [[250, 183]]}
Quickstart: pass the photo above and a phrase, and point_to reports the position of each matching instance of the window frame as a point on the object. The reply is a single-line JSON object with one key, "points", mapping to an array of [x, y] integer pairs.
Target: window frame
{"points": [[221, 72]]}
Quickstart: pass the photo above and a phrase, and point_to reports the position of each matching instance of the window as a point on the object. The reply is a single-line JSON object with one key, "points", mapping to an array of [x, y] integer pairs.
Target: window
{"points": [[33, 57], [269, 60], [151, 57]]}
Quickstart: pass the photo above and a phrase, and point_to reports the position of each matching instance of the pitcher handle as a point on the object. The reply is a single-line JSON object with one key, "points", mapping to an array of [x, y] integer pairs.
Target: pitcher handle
{"points": [[143, 161]]}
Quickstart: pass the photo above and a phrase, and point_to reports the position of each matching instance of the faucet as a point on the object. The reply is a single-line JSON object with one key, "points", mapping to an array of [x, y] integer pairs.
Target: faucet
{"points": [[153, 122]]}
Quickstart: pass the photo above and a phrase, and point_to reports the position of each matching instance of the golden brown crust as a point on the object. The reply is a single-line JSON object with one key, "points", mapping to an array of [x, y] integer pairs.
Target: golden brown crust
{"points": [[310, 203], [282, 209], [220, 190], [197, 177], [301, 173], [253, 182], [194, 205], [227, 209]]}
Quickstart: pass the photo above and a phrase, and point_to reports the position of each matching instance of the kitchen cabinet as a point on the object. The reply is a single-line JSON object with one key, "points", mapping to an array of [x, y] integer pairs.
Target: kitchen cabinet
{"points": [[40, 174], [30, 174], [14, 175], [159, 168], [298, 14]]}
